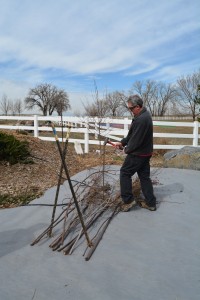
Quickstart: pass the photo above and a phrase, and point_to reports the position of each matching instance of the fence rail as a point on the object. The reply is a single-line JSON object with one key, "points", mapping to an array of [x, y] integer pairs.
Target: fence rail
{"points": [[91, 129]]}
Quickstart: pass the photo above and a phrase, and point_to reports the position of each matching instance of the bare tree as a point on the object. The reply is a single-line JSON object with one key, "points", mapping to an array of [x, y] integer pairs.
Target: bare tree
{"points": [[12, 107], [117, 104], [156, 95], [18, 106], [164, 94], [5, 105], [147, 91], [47, 98], [123, 106], [98, 108], [175, 108], [59, 102], [198, 94], [15, 107], [62, 102], [188, 93]]}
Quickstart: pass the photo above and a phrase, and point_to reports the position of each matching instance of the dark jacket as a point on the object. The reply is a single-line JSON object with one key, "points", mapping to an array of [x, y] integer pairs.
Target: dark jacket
{"points": [[139, 140]]}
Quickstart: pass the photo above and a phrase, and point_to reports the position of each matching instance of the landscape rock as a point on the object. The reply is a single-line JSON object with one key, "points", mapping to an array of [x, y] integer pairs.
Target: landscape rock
{"points": [[185, 158]]}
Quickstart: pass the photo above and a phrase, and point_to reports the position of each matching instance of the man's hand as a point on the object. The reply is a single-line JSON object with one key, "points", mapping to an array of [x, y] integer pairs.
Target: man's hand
{"points": [[119, 146]]}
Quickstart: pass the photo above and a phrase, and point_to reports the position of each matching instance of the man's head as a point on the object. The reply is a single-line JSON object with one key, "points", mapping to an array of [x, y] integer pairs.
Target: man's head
{"points": [[135, 104]]}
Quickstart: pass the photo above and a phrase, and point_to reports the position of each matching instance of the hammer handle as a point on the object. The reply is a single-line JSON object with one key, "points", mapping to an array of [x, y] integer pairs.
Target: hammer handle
{"points": [[109, 142]]}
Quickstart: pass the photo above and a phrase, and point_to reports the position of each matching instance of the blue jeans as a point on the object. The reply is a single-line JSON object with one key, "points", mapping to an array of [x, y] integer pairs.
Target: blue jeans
{"points": [[141, 165]]}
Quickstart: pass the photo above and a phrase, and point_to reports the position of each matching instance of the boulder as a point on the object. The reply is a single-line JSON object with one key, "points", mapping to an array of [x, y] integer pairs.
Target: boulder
{"points": [[185, 158]]}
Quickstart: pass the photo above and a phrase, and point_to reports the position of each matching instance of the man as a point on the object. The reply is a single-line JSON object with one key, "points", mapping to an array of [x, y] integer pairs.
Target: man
{"points": [[138, 145]]}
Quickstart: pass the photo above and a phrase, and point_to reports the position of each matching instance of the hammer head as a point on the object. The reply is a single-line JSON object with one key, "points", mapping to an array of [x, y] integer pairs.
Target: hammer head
{"points": [[106, 141]]}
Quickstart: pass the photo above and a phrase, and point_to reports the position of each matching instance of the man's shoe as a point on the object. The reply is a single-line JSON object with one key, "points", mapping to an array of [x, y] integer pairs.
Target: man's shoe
{"points": [[125, 207], [144, 205]]}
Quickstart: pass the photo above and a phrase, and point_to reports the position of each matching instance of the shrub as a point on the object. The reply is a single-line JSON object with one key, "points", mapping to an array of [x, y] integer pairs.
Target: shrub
{"points": [[13, 150]]}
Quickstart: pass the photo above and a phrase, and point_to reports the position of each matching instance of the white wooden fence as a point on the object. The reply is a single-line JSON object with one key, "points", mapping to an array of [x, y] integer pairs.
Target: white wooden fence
{"points": [[91, 128]]}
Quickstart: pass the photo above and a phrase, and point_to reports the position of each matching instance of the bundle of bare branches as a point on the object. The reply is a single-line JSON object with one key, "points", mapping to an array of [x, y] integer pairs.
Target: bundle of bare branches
{"points": [[98, 202]]}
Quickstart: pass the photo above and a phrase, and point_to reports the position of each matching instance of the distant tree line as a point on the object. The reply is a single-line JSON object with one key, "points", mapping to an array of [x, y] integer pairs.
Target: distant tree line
{"points": [[160, 98], [8, 106]]}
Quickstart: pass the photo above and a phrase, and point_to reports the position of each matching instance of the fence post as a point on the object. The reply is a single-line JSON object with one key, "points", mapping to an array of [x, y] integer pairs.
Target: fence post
{"points": [[86, 135], [195, 133], [36, 126], [96, 128], [125, 126]]}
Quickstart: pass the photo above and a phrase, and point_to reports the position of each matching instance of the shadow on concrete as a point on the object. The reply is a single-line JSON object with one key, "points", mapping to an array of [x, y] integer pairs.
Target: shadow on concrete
{"points": [[15, 239]]}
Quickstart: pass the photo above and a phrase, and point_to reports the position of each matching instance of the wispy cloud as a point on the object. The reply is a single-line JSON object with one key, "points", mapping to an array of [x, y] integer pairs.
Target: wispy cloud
{"points": [[71, 40]]}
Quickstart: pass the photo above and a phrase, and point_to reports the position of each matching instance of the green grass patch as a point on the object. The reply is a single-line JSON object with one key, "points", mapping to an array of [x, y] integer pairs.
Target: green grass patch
{"points": [[12, 201], [118, 158]]}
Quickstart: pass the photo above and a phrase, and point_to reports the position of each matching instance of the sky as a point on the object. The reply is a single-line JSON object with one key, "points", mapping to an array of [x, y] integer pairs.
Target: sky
{"points": [[71, 44]]}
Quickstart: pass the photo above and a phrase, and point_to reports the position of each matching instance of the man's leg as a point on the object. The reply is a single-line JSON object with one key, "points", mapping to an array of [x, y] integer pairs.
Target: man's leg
{"points": [[126, 173], [146, 184], [128, 169]]}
